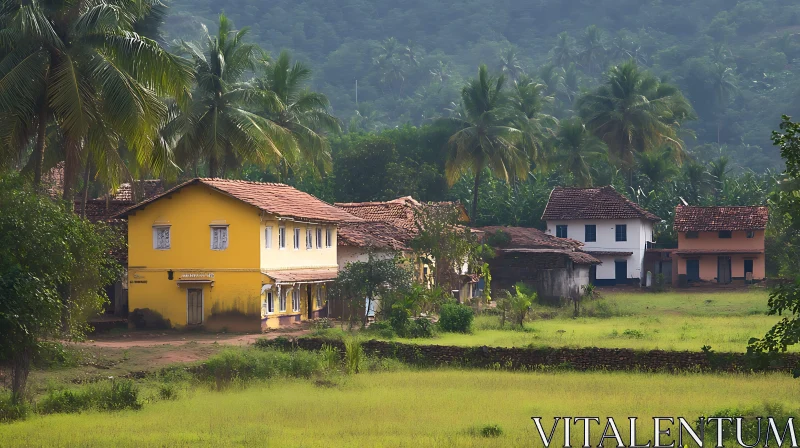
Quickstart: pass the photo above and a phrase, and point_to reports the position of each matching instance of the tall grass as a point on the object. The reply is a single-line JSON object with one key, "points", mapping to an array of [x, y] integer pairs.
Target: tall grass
{"points": [[353, 355], [240, 365], [409, 408]]}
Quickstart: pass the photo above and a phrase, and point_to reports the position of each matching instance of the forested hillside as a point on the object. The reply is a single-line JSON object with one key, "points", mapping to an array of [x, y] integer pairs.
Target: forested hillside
{"points": [[737, 62]]}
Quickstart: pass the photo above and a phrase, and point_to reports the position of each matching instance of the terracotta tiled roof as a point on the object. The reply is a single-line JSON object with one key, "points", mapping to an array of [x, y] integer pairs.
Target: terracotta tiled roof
{"points": [[373, 234], [526, 237], [139, 190], [576, 257], [397, 212], [714, 219], [592, 203], [599, 253], [276, 199], [100, 209], [302, 275]]}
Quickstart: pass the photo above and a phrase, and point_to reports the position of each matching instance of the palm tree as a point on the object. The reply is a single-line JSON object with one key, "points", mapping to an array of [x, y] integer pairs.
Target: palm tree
{"points": [[724, 84], [718, 170], [530, 100], [633, 111], [657, 166], [577, 151], [486, 135], [551, 76], [593, 50], [510, 64], [302, 112], [78, 75], [696, 180], [563, 52], [219, 127]]}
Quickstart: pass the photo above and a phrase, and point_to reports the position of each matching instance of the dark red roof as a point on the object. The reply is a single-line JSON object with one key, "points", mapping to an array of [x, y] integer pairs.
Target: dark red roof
{"points": [[527, 237], [576, 257], [273, 198], [398, 212], [715, 219], [136, 191], [592, 203], [378, 235]]}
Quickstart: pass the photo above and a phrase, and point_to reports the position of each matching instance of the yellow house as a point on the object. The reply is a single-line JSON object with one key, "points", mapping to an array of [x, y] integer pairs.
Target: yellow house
{"points": [[231, 254]]}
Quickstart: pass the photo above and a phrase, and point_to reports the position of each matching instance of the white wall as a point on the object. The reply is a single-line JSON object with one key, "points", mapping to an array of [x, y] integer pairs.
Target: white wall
{"points": [[639, 232]]}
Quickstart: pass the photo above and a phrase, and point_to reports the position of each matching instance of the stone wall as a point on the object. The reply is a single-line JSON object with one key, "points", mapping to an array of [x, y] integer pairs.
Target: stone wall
{"points": [[569, 358]]}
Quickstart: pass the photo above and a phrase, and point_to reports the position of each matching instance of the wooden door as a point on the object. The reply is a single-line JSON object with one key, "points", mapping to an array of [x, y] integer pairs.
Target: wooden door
{"points": [[194, 307], [693, 270], [724, 269], [621, 271]]}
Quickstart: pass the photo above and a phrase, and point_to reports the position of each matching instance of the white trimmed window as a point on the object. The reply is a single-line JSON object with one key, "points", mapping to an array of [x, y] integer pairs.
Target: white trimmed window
{"points": [[282, 237], [295, 299], [219, 237], [309, 239], [297, 237], [268, 237], [328, 237], [270, 303], [282, 301], [161, 237], [319, 238], [319, 296]]}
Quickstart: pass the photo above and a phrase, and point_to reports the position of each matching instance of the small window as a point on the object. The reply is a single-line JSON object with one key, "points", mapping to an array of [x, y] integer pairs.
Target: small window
{"points": [[282, 237], [561, 231], [161, 237], [309, 239], [692, 235], [591, 233], [268, 237], [319, 238], [725, 234], [319, 296], [295, 299], [751, 233], [328, 237], [297, 237], [282, 301], [219, 237], [622, 232], [270, 303]]}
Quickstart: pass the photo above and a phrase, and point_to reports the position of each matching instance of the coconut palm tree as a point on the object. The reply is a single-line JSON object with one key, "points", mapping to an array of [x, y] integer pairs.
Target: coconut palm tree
{"points": [[77, 74], [718, 170], [530, 100], [577, 151], [486, 135], [696, 181], [564, 51], [593, 50], [510, 64], [724, 84], [633, 112], [219, 128], [299, 110], [657, 166]]}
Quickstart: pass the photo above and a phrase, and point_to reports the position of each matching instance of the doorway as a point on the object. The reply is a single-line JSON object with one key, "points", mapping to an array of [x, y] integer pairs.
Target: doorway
{"points": [[748, 269], [194, 307], [724, 270], [693, 270], [592, 274], [310, 303], [621, 271]]}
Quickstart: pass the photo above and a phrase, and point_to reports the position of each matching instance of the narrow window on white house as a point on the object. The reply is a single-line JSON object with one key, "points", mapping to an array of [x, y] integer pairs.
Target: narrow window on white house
{"points": [[621, 232], [297, 237], [319, 296], [561, 231], [268, 237], [296, 299], [282, 237], [161, 237], [219, 237], [270, 303], [309, 239], [319, 238], [282, 301], [328, 237]]}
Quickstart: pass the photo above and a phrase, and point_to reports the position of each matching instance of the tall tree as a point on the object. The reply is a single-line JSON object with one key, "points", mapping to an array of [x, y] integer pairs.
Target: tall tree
{"points": [[577, 151], [510, 64], [724, 84], [219, 127], [633, 111], [82, 68], [299, 110], [593, 50], [657, 166], [564, 51], [529, 98], [486, 135]]}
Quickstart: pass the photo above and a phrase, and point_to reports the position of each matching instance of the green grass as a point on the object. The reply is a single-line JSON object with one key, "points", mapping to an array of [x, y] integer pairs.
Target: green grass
{"points": [[668, 321], [408, 408]]}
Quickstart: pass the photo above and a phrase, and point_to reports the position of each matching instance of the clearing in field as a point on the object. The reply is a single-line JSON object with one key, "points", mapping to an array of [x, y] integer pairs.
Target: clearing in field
{"points": [[406, 408]]}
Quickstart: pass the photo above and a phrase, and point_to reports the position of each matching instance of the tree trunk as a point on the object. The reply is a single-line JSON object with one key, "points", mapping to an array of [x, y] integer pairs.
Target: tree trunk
{"points": [[212, 166], [85, 196], [71, 166], [38, 150], [475, 195], [20, 367]]}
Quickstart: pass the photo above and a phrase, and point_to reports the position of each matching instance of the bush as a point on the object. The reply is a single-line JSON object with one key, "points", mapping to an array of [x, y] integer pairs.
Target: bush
{"points": [[10, 411], [420, 327], [455, 318], [382, 329], [398, 319], [353, 355], [167, 391], [601, 308], [54, 355], [491, 431], [330, 357], [242, 365], [114, 395]]}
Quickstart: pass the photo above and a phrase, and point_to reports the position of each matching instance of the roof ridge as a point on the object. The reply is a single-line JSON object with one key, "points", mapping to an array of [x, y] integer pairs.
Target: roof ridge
{"points": [[240, 181]]}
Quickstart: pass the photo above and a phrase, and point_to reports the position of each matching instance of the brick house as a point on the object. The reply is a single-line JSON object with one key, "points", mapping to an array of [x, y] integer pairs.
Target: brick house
{"points": [[720, 244]]}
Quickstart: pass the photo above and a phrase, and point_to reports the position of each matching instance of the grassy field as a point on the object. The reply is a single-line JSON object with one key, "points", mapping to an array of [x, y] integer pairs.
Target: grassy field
{"points": [[668, 321], [406, 408]]}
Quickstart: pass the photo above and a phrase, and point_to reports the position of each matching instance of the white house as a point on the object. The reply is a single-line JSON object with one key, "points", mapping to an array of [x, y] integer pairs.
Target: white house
{"points": [[611, 227]]}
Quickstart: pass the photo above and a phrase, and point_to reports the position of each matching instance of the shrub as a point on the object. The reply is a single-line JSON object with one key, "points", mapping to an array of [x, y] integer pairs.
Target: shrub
{"points": [[167, 391], [353, 355], [242, 365], [114, 395], [53, 355], [382, 329], [750, 423], [603, 308], [398, 319], [455, 318], [330, 357], [420, 327], [10, 411], [491, 431]]}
